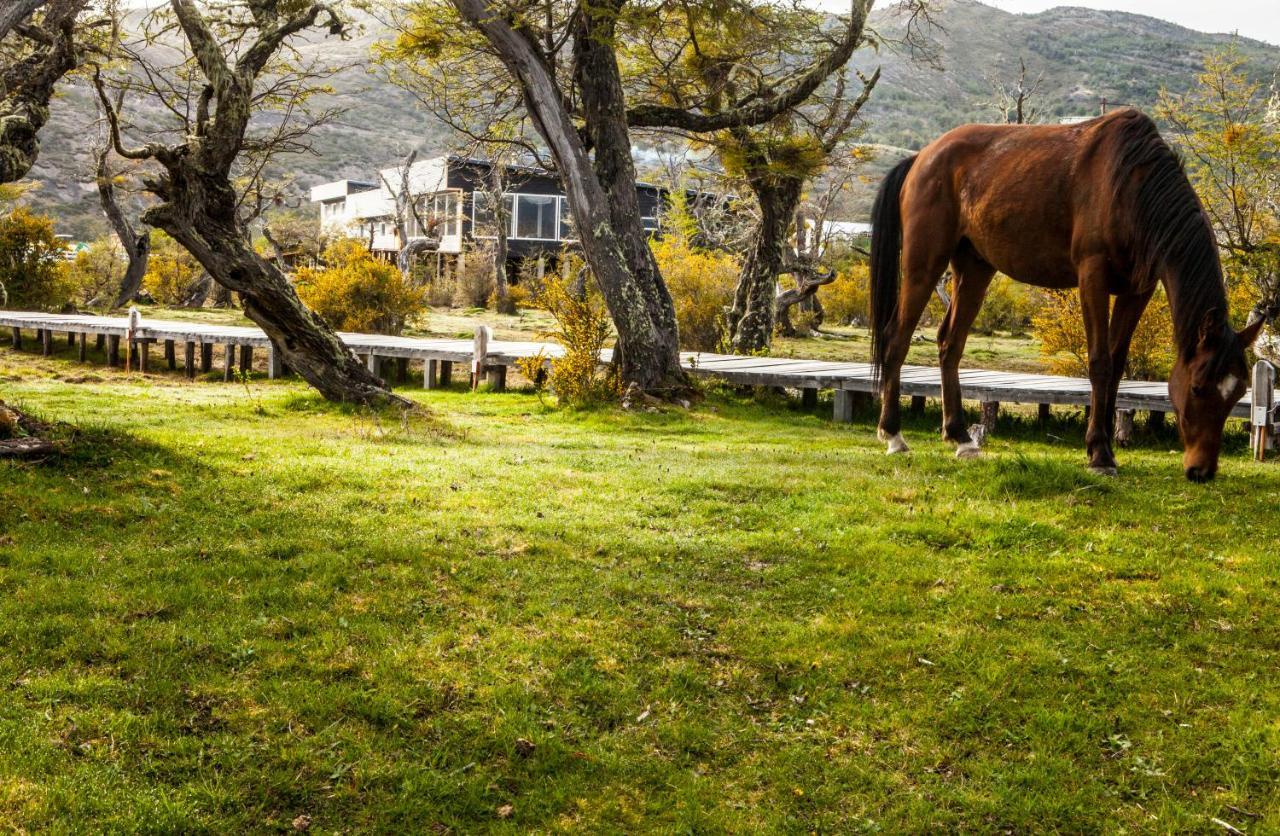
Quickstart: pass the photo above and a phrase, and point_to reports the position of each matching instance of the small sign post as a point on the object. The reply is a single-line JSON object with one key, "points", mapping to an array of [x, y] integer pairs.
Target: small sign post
{"points": [[1262, 410]]}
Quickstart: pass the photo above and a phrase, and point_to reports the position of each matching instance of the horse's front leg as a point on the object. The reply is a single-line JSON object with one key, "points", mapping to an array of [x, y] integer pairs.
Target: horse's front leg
{"points": [[1124, 321], [917, 287], [1095, 303], [972, 277]]}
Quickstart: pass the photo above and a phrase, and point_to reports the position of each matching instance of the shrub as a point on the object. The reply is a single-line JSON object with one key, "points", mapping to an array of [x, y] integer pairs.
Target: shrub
{"points": [[1008, 306], [701, 283], [357, 292], [847, 300], [582, 325], [1060, 326], [172, 272], [97, 271], [474, 282], [34, 274]]}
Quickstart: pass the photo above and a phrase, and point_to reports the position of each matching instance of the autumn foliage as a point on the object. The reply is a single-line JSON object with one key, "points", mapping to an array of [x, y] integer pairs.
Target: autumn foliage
{"points": [[357, 292]]}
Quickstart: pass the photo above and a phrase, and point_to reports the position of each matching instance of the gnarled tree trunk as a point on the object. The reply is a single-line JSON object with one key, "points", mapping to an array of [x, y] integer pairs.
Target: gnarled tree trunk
{"points": [[752, 317], [136, 246]]}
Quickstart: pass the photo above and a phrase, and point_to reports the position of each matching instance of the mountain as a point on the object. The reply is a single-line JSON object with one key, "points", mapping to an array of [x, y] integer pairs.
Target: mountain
{"points": [[1085, 56]]}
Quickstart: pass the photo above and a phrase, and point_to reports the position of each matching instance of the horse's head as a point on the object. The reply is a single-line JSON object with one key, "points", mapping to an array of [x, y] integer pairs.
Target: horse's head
{"points": [[1204, 387]]}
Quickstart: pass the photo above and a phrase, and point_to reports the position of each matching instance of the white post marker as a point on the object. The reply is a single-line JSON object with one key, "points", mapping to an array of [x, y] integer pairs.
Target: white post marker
{"points": [[1261, 416], [131, 334], [481, 351]]}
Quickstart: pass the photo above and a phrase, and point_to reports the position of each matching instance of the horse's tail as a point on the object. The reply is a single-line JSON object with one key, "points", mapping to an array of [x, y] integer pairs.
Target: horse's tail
{"points": [[886, 243]]}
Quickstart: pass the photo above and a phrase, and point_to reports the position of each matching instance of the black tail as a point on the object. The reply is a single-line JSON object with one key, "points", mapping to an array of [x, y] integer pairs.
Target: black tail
{"points": [[886, 244]]}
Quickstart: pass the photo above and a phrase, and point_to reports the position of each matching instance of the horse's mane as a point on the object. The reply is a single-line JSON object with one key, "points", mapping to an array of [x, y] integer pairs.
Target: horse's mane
{"points": [[1170, 234]]}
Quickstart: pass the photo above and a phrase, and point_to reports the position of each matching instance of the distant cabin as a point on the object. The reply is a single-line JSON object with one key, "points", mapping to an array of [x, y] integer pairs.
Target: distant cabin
{"points": [[450, 193]]}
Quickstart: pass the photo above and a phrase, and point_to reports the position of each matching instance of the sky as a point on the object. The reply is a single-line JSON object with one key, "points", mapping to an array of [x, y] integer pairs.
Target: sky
{"points": [[1257, 19]]}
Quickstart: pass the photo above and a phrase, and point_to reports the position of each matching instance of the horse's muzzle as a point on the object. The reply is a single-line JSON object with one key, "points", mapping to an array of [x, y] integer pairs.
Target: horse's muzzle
{"points": [[1201, 474]]}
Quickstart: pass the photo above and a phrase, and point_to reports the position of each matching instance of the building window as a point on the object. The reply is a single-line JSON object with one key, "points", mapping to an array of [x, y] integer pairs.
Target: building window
{"points": [[567, 230], [483, 219], [444, 208], [536, 216], [649, 224]]}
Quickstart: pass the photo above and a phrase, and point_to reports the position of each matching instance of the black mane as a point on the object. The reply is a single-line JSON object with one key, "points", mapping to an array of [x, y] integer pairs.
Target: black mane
{"points": [[1170, 233]]}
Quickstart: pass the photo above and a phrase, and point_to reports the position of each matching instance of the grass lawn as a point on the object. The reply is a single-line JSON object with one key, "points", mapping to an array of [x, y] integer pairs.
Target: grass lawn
{"points": [[234, 608]]}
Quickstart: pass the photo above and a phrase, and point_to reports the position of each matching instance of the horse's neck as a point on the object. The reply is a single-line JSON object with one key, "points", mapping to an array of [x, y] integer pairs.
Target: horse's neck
{"points": [[1190, 299]]}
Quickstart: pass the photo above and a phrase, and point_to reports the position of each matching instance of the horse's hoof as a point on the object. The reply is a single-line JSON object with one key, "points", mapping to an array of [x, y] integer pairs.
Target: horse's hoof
{"points": [[968, 450], [897, 444], [1103, 471]]}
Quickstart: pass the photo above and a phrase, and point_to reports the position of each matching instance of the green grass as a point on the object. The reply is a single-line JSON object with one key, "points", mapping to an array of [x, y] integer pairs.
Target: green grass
{"points": [[227, 607]]}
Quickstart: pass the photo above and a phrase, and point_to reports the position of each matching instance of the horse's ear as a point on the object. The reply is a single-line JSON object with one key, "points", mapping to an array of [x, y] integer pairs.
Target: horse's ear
{"points": [[1250, 332], [1210, 329]]}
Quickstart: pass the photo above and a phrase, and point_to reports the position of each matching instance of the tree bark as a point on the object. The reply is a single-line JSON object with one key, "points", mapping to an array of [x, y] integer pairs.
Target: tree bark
{"points": [[647, 351], [753, 315], [136, 246]]}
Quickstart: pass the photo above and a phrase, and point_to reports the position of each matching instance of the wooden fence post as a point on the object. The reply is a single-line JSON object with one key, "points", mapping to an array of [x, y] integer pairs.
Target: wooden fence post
{"points": [[113, 350], [446, 373], [46, 341], [170, 355], [206, 358], [430, 370], [843, 412], [275, 363], [481, 352], [246, 359], [1260, 412], [84, 346], [990, 414], [189, 360], [230, 352], [1124, 427], [17, 338]]}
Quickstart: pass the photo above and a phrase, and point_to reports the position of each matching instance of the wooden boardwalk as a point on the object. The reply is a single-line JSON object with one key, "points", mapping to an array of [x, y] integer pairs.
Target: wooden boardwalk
{"points": [[493, 357]]}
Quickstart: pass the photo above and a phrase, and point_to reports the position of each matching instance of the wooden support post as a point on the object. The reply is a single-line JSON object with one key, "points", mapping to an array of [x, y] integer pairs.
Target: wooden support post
{"points": [[1124, 427], [917, 404], [113, 350], [101, 342], [71, 339], [497, 377], [480, 354], [843, 413], [1043, 413], [17, 338], [189, 360], [1261, 409], [402, 370], [246, 359], [143, 349], [230, 358], [84, 347], [430, 374], [808, 398], [275, 363], [374, 364], [170, 355], [46, 341], [990, 413], [206, 357], [1155, 420], [446, 373]]}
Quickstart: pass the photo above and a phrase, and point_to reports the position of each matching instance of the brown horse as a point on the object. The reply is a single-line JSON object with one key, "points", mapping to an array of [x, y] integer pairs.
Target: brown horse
{"points": [[1104, 206]]}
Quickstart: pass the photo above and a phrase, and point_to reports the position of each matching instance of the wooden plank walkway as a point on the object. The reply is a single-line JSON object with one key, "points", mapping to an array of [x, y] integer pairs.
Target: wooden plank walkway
{"points": [[493, 357]]}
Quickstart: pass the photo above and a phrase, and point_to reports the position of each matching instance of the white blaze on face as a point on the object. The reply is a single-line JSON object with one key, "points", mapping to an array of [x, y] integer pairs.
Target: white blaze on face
{"points": [[1228, 386]]}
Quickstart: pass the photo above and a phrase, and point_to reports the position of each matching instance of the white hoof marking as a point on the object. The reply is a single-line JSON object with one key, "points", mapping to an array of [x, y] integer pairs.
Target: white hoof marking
{"points": [[897, 445], [1104, 471], [971, 450]]}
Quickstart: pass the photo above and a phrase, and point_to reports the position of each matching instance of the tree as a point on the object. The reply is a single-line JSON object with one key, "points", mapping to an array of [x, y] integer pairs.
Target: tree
{"points": [[237, 69], [777, 161], [33, 64], [1230, 136], [407, 213], [565, 59], [135, 243], [1013, 101]]}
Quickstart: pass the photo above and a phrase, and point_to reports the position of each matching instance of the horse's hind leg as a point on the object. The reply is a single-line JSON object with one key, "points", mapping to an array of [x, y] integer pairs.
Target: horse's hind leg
{"points": [[972, 278], [918, 282]]}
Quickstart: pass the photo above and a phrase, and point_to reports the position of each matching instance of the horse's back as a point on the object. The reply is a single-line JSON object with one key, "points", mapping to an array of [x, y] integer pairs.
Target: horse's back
{"points": [[1027, 197]]}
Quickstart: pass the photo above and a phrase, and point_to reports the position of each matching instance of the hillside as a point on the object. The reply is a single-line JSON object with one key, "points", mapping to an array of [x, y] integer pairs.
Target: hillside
{"points": [[1085, 56]]}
